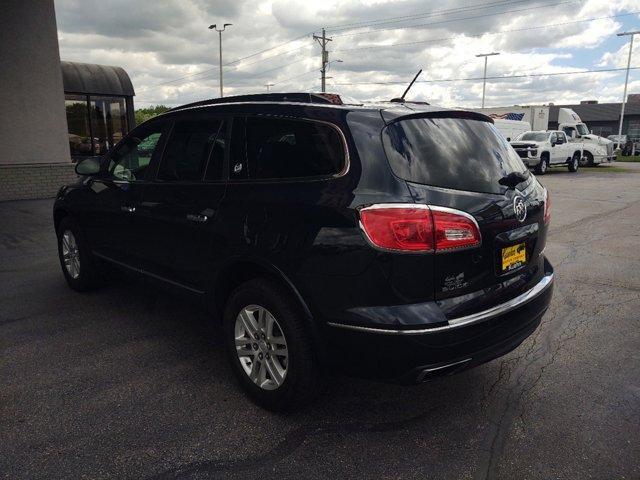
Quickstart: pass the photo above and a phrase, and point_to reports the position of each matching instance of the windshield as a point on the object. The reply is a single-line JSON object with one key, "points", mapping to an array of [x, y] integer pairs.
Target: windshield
{"points": [[582, 129], [534, 136], [453, 153]]}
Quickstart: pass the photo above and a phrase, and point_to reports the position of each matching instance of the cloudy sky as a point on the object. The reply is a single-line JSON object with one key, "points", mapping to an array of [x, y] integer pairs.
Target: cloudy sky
{"points": [[172, 57]]}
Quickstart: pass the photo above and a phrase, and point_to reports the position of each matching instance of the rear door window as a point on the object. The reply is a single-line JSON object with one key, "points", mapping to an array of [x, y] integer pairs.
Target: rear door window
{"points": [[188, 149], [461, 154], [285, 148]]}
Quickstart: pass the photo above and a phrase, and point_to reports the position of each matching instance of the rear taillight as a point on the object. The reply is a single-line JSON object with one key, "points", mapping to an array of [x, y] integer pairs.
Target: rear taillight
{"points": [[418, 228], [547, 207]]}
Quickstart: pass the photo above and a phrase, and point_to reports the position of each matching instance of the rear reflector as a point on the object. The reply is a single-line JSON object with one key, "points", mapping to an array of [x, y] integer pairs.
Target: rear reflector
{"points": [[418, 228]]}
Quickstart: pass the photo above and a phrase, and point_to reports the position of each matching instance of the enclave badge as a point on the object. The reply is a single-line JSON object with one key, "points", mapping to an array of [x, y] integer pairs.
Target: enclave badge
{"points": [[519, 208]]}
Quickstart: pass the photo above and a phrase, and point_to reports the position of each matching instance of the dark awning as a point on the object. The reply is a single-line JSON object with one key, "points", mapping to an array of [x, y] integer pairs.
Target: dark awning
{"points": [[94, 79]]}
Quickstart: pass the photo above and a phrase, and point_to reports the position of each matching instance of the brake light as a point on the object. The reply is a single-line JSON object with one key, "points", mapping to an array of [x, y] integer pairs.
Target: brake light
{"points": [[547, 207], [401, 227], [418, 228]]}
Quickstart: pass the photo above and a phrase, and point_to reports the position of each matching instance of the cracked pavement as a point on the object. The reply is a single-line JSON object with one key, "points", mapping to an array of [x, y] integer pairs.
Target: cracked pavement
{"points": [[128, 382]]}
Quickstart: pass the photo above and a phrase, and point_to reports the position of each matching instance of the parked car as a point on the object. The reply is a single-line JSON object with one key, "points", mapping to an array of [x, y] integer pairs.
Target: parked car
{"points": [[392, 241], [541, 150]]}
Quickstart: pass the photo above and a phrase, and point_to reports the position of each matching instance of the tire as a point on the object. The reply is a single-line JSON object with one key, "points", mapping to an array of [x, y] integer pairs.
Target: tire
{"points": [[574, 163], [77, 263], [301, 380], [542, 167], [586, 160]]}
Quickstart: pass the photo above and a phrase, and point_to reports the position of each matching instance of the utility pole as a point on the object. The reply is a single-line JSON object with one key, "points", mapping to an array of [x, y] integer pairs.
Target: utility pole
{"points": [[269, 85], [214, 27], [626, 80], [484, 77], [322, 41]]}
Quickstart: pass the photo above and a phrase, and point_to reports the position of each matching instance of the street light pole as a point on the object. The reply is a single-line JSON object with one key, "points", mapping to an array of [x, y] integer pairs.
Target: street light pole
{"points": [[626, 80], [214, 27], [484, 77]]}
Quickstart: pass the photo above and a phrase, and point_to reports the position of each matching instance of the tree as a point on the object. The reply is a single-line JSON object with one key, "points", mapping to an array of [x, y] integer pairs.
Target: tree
{"points": [[144, 114]]}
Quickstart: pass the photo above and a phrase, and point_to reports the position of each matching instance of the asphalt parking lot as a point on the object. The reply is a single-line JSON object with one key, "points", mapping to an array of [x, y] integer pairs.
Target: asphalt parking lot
{"points": [[128, 382]]}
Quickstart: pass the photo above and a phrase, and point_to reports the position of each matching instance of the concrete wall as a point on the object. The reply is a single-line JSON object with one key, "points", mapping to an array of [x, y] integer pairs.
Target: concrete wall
{"points": [[33, 124]]}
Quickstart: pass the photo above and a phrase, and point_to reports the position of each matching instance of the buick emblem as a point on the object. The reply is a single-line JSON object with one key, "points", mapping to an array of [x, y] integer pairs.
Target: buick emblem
{"points": [[519, 208]]}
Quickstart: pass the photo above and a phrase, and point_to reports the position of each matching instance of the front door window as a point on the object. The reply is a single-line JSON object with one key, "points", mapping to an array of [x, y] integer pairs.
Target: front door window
{"points": [[131, 160]]}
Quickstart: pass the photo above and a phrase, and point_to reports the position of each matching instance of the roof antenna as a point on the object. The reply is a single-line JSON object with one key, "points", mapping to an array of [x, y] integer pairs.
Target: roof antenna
{"points": [[401, 99]]}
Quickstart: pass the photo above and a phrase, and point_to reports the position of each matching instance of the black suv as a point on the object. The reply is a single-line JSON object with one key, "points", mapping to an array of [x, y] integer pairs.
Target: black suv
{"points": [[395, 241]]}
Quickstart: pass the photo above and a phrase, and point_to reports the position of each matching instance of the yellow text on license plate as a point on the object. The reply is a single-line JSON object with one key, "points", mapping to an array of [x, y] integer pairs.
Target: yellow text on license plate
{"points": [[513, 257]]}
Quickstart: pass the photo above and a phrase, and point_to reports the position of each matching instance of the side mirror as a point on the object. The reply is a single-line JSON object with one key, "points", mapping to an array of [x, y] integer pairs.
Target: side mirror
{"points": [[88, 166], [553, 144]]}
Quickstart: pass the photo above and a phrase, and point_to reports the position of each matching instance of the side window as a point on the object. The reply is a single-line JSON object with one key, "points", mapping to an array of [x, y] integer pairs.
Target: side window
{"points": [[238, 153], [215, 168], [283, 148], [568, 131], [188, 149], [561, 138], [554, 138], [131, 160]]}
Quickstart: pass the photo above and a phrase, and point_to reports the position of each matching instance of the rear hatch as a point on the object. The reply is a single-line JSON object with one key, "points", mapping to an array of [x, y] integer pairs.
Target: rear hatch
{"points": [[460, 161]]}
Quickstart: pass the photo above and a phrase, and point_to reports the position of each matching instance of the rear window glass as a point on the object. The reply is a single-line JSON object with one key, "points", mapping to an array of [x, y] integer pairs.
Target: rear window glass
{"points": [[453, 153]]}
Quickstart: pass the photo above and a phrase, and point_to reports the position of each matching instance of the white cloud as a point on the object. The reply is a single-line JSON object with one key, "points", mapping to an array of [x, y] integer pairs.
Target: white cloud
{"points": [[160, 41]]}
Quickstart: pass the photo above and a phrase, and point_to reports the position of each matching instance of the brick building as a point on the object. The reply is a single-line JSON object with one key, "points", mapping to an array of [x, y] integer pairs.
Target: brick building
{"points": [[52, 112]]}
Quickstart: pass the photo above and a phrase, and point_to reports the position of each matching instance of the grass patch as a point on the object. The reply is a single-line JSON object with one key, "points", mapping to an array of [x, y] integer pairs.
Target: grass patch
{"points": [[635, 158]]}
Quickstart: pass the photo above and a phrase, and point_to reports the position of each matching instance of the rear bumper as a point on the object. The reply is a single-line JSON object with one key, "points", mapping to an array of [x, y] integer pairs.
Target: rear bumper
{"points": [[410, 355]]}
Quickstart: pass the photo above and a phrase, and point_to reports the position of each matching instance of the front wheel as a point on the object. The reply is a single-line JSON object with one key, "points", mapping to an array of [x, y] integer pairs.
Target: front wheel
{"points": [[574, 163], [76, 260], [542, 167], [268, 346]]}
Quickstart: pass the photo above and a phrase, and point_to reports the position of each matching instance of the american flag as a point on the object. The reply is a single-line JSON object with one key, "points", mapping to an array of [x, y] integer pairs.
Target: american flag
{"points": [[508, 116]]}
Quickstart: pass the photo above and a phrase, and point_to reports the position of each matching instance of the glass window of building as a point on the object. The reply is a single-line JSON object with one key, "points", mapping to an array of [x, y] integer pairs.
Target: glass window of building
{"points": [[108, 121], [99, 103], [78, 123]]}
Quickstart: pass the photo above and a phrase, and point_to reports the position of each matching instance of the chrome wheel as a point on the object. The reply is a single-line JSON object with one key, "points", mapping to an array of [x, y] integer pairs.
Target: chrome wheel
{"points": [[261, 347], [70, 254]]}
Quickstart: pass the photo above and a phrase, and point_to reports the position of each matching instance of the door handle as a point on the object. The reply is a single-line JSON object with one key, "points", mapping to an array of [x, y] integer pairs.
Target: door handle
{"points": [[128, 208], [197, 218]]}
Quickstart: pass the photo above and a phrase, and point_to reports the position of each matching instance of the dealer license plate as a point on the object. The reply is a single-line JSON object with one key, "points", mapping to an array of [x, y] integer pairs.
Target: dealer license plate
{"points": [[513, 257]]}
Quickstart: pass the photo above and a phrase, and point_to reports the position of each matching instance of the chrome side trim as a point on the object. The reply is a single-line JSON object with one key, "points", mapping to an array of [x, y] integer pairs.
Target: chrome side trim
{"points": [[501, 309], [425, 372], [149, 274]]}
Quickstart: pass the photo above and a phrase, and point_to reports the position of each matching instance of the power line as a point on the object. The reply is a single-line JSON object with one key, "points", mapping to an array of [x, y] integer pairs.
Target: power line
{"points": [[504, 77], [432, 13], [238, 60], [296, 76], [268, 49], [552, 4], [433, 40]]}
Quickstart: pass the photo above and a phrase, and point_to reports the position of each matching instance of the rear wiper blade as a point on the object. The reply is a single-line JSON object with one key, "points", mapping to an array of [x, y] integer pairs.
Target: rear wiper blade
{"points": [[513, 179]]}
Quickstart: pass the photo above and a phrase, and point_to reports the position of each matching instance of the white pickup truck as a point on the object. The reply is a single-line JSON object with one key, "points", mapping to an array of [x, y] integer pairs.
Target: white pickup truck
{"points": [[541, 150], [595, 149]]}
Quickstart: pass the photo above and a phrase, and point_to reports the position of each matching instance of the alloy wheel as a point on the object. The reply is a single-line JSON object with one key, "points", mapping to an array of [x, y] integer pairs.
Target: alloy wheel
{"points": [[261, 347], [70, 254]]}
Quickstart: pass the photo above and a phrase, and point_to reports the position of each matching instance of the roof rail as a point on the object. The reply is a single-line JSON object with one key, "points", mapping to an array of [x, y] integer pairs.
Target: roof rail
{"points": [[299, 97]]}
